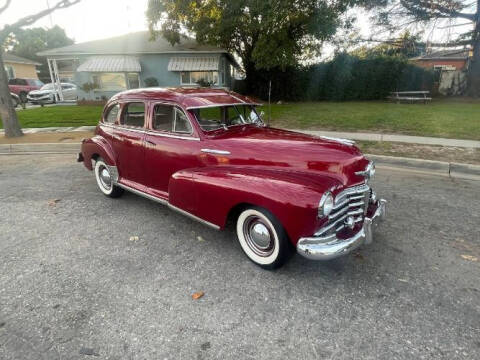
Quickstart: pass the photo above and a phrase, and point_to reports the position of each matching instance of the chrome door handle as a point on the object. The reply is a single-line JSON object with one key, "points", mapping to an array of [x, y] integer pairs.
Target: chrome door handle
{"points": [[216, 152]]}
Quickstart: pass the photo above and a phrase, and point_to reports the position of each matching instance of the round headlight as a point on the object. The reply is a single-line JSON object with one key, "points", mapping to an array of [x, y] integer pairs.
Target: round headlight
{"points": [[325, 206]]}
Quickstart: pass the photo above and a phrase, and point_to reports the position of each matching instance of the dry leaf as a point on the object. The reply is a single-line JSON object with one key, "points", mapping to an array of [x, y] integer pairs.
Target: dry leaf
{"points": [[53, 202], [134, 238], [469, 257], [197, 295], [403, 280], [199, 238], [359, 256]]}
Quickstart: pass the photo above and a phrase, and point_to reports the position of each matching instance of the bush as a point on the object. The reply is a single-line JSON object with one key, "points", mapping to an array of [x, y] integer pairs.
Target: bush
{"points": [[346, 77], [151, 82]]}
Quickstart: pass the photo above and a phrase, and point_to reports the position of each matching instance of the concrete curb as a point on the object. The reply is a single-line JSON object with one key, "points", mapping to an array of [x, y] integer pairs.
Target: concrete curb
{"points": [[453, 170], [55, 148]]}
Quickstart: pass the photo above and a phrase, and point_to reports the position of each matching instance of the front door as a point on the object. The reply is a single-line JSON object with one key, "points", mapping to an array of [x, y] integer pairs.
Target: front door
{"points": [[128, 136], [170, 146]]}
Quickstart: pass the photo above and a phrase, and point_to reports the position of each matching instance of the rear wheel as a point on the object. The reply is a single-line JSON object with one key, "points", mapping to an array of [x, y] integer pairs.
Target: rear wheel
{"points": [[263, 238], [105, 180]]}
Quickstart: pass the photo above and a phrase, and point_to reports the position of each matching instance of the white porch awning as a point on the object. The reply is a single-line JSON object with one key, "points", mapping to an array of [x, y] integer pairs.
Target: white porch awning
{"points": [[197, 63], [111, 64]]}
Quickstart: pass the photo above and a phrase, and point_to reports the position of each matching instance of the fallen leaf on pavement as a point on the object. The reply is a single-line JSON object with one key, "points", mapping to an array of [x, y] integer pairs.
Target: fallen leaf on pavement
{"points": [[358, 256], [53, 202], [197, 295], [403, 280], [199, 238], [134, 238], [469, 257]]}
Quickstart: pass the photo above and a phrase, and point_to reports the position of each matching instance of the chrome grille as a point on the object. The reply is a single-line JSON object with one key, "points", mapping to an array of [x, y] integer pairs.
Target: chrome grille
{"points": [[352, 201]]}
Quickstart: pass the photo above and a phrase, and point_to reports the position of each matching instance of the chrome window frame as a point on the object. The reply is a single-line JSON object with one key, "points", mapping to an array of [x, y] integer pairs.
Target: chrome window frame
{"points": [[125, 107], [170, 134]]}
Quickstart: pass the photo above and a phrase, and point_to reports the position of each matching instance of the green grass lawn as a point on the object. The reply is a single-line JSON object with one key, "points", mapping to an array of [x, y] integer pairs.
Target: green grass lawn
{"points": [[452, 119], [59, 116]]}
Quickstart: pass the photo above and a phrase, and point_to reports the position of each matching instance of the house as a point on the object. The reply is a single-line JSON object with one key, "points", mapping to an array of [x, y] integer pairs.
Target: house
{"points": [[102, 68], [444, 59], [19, 67]]}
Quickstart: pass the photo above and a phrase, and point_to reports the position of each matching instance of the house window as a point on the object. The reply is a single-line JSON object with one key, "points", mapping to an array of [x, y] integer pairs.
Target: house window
{"points": [[110, 81], [223, 67], [133, 81], [10, 71], [199, 77]]}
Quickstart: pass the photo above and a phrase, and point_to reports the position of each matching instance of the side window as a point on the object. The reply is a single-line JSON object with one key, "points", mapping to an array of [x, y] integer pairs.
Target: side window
{"points": [[171, 119], [112, 113], [22, 82], [181, 123], [133, 114]]}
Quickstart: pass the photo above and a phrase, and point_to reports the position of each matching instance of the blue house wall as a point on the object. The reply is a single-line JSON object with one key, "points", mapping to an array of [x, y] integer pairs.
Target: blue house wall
{"points": [[152, 66]]}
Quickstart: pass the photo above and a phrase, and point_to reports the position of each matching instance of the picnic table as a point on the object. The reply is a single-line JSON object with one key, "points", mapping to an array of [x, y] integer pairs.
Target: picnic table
{"points": [[410, 96]]}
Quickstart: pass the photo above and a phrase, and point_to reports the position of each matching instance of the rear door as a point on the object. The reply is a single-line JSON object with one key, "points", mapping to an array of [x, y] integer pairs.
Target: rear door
{"points": [[171, 144], [128, 137]]}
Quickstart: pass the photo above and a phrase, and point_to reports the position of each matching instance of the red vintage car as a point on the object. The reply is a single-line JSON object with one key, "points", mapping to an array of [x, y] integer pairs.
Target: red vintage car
{"points": [[207, 154]]}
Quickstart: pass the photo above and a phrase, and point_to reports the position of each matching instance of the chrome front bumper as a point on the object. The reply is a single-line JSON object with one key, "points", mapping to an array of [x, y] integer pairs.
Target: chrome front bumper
{"points": [[330, 247]]}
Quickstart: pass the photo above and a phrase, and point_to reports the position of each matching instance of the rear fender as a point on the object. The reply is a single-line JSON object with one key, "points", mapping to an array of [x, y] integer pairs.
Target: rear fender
{"points": [[94, 147], [210, 193]]}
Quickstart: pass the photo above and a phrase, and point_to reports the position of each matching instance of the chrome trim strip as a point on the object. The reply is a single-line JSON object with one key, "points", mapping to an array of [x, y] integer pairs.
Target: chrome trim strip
{"points": [[217, 152], [186, 213], [340, 140], [332, 225], [220, 105], [151, 132], [349, 191], [143, 194], [166, 203]]}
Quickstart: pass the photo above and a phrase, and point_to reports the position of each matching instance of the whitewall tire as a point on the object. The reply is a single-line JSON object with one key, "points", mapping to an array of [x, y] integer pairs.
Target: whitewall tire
{"points": [[262, 238], [105, 179]]}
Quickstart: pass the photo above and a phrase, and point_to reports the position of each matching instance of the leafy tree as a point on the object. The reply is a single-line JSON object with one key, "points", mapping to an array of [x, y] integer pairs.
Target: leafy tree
{"points": [[268, 34], [402, 13], [406, 45], [7, 111], [28, 42]]}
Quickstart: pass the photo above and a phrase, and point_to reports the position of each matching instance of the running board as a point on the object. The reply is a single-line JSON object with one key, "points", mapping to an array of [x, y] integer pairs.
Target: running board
{"points": [[166, 203]]}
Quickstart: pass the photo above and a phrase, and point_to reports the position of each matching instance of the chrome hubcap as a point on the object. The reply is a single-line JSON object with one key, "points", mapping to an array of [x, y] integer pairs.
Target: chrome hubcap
{"points": [[105, 177], [258, 236]]}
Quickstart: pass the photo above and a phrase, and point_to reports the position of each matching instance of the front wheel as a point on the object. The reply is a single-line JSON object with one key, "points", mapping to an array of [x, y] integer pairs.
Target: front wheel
{"points": [[263, 238], [105, 180]]}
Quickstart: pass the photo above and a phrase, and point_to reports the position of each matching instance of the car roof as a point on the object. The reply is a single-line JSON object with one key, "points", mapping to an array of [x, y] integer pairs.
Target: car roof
{"points": [[189, 98]]}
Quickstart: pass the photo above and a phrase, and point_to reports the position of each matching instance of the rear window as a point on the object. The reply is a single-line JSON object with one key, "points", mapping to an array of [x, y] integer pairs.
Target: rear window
{"points": [[133, 114]]}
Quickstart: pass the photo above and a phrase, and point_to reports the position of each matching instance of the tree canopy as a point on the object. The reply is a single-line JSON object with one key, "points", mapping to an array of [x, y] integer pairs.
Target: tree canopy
{"points": [[263, 34], [28, 42]]}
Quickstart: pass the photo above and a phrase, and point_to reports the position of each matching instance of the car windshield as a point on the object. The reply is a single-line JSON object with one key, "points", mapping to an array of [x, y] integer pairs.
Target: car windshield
{"points": [[223, 117], [47, 87]]}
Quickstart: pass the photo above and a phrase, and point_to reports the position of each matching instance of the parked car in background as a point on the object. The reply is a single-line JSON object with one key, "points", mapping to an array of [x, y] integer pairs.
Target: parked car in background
{"points": [[207, 154], [22, 87], [47, 94]]}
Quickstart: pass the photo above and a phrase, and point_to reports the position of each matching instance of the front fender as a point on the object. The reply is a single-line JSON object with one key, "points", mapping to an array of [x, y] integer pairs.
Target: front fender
{"points": [[97, 145], [292, 196]]}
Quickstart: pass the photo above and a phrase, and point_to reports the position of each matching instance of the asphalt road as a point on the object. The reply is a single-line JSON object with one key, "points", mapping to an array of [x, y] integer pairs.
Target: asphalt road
{"points": [[74, 284]]}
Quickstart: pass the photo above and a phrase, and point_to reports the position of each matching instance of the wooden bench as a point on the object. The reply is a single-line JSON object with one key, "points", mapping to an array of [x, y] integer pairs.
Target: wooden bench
{"points": [[410, 96]]}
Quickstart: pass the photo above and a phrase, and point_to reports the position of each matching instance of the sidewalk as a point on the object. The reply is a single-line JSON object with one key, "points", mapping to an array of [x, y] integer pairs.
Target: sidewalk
{"points": [[423, 140], [395, 138]]}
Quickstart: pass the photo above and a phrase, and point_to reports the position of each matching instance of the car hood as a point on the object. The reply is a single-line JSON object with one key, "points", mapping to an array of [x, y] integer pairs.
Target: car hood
{"points": [[265, 146], [40, 92]]}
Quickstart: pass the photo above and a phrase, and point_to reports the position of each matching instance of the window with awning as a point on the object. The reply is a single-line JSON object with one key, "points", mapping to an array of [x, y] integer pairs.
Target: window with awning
{"points": [[111, 64], [198, 70]]}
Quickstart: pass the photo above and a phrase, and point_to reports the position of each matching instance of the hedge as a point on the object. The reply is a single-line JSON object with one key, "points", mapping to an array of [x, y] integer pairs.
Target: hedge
{"points": [[346, 77]]}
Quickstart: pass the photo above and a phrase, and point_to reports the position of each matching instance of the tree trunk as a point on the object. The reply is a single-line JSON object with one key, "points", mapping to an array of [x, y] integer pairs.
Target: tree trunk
{"points": [[7, 111], [474, 67]]}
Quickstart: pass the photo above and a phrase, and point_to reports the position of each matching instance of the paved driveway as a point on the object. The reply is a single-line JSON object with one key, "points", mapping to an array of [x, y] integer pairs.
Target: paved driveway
{"points": [[73, 285]]}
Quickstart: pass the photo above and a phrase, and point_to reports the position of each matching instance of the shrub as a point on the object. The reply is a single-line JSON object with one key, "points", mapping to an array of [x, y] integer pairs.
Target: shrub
{"points": [[346, 77], [151, 82]]}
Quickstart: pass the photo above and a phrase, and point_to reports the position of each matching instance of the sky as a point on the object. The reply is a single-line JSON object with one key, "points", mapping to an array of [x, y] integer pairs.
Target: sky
{"points": [[87, 20], [100, 19]]}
